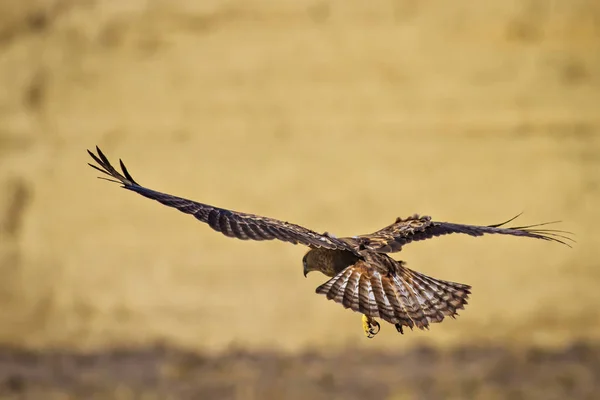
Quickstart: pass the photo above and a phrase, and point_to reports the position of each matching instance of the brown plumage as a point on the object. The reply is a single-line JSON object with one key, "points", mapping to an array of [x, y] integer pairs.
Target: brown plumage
{"points": [[363, 277]]}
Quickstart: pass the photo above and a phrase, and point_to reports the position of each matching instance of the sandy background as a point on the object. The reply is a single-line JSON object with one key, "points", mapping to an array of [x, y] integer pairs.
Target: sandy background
{"points": [[339, 115]]}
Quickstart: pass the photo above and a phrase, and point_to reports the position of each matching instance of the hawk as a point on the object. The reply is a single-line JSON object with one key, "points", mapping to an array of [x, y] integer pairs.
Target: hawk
{"points": [[363, 277]]}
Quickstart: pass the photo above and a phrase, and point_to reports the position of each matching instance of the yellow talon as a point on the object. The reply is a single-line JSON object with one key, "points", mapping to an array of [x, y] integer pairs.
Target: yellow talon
{"points": [[365, 324], [370, 326]]}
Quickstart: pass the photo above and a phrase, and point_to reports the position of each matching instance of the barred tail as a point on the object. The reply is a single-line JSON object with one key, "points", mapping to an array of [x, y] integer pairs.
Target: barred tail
{"points": [[405, 298]]}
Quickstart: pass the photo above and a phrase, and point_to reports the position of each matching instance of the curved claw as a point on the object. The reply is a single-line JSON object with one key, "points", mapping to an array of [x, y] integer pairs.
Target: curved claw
{"points": [[399, 328], [375, 327], [370, 326]]}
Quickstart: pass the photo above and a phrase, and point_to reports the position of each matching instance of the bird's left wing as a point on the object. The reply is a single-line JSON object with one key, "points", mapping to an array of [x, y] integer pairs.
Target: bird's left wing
{"points": [[230, 223], [391, 238]]}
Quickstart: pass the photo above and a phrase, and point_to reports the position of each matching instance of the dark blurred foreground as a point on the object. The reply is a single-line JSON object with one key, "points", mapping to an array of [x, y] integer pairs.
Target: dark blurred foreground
{"points": [[422, 373]]}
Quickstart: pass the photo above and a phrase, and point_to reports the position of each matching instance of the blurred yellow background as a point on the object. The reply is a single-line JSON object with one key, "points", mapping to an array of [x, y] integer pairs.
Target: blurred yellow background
{"points": [[337, 115]]}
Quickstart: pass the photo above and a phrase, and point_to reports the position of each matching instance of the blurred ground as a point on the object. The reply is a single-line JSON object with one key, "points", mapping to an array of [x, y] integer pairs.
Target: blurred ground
{"points": [[336, 115], [421, 373]]}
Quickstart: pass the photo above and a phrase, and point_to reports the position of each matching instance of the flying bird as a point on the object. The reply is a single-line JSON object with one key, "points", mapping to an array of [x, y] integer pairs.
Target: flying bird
{"points": [[363, 277]]}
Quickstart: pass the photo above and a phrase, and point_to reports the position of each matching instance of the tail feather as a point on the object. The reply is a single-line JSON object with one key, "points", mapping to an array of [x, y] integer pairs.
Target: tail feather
{"points": [[404, 298], [442, 296]]}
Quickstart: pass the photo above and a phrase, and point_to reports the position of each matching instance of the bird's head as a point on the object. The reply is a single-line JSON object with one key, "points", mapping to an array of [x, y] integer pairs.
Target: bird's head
{"points": [[328, 262], [314, 261]]}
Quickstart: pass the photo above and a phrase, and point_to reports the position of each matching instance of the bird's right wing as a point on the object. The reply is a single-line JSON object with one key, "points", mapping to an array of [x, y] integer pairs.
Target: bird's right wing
{"points": [[230, 223], [391, 238]]}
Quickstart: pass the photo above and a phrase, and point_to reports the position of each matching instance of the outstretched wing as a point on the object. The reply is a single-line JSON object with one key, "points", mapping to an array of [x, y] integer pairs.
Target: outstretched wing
{"points": [[403, 297], [230, 223], [391, 238]]}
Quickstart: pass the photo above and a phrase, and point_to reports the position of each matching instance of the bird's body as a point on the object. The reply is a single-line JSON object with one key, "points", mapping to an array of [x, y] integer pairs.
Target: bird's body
{"points": [[379, 286], [363, 277]]}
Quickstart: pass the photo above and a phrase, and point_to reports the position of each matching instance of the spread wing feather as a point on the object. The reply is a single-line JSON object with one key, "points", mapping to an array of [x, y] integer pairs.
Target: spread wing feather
{"points": [[404, 298], [230, 223], [391, 238]]}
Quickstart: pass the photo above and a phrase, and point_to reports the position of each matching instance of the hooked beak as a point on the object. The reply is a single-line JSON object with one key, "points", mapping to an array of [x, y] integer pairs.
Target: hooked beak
{"points": [[305, 267]]}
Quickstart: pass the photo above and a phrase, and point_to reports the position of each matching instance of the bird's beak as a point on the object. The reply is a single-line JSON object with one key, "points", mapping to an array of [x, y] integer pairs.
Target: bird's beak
{"points": [[306, 271], [305, 266]]}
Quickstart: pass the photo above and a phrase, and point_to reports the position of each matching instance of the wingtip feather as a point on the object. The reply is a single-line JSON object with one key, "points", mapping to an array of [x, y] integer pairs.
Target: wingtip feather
{"points": [[106, 168]]}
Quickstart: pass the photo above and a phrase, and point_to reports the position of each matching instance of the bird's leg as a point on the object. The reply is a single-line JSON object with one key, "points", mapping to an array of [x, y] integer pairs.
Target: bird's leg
{"points": [[370, 326]]}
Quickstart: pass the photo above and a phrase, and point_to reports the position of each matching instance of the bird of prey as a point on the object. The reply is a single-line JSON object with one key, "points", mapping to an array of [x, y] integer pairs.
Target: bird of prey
{"points": [[363, 277]]}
